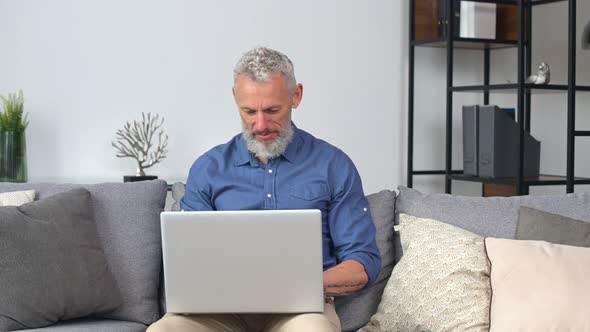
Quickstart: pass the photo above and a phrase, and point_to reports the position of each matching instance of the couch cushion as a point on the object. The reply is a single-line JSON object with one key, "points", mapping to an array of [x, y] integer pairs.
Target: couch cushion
{"points": [[16, 198], [92, 325], [487, 216], [440, 284], [538, 286], [128, 223], [355, 310], [178, 189], [539, 225], [43, 244]]}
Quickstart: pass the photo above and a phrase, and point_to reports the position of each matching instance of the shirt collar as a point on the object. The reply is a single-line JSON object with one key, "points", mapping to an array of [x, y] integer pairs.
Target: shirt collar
{"points": [[244, 156]]}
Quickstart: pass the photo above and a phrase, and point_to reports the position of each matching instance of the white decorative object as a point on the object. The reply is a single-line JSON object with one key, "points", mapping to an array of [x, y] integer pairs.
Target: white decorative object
{"points": [[137, 139], [542, 76], [477, 20]]}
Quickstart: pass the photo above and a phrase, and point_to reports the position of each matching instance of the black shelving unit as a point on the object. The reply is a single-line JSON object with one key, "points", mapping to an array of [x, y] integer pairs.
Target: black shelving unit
{"points": [[522, 89]]}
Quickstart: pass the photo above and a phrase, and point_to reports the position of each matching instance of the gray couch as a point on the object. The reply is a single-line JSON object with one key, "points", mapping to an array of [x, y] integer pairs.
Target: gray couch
{"points": [[127, 221], [127, 217]]}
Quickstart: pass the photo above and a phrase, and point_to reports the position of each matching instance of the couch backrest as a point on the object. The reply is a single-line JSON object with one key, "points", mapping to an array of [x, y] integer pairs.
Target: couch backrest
{"points": [[128, 223], [487, 216]]}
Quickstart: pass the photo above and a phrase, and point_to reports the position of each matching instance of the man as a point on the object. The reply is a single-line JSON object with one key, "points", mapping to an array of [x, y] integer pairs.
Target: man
{"points": [[273, 164]]}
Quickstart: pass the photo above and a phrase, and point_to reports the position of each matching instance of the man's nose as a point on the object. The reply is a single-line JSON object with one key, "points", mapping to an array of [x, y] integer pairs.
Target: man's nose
{"points": [[261, 121]]}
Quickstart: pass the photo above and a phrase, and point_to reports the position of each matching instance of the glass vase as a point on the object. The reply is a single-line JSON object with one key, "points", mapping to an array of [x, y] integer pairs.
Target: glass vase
{"points": [[13, 156]]}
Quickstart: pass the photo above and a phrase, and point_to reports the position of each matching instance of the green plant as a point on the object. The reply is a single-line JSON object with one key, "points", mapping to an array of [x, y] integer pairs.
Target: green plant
{"points": [[11, 114]]}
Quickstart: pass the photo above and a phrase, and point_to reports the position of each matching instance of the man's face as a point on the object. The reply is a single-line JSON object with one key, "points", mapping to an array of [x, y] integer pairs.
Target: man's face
{"points": [[265, 107]]}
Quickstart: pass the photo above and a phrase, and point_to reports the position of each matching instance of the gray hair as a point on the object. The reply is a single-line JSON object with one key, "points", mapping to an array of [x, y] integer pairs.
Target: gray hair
{"points": [[261, 63]]}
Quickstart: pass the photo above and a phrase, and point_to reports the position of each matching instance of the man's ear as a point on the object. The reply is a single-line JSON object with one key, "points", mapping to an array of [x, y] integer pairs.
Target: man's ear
{"points": [[297, 95]]}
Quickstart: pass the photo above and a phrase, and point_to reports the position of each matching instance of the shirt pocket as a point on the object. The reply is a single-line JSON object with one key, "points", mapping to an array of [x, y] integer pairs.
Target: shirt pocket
{"points": [[309, 196]]}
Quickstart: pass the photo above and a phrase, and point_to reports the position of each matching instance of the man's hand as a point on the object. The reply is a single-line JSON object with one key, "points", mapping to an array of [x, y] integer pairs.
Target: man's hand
{"points": [[345, 278]]}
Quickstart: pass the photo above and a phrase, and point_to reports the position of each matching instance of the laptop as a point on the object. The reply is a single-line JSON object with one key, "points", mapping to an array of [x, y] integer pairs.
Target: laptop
{"points": [[267, 261]]}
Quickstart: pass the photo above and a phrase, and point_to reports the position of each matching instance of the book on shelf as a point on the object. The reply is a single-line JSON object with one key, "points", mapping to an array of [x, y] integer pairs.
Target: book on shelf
{"points": [[470, 139]]}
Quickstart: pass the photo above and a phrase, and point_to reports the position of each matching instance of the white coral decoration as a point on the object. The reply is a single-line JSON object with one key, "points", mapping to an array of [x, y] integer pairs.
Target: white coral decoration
{"points": [[137, 139]]}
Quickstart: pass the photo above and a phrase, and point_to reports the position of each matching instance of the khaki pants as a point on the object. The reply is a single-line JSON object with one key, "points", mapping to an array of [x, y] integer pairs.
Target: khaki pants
{"points": [[313, 322]]}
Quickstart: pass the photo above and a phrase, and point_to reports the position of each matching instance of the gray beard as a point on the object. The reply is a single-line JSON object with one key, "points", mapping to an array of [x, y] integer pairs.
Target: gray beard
{"points": [[270, 150]]}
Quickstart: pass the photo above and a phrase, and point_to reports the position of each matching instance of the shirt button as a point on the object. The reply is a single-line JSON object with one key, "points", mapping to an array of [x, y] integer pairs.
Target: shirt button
{"points": [[270, 170], [365, 209], [268, 195]]}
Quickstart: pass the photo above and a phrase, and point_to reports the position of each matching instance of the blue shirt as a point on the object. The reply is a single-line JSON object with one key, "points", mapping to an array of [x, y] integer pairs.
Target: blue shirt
{"points": [[310, 174]]}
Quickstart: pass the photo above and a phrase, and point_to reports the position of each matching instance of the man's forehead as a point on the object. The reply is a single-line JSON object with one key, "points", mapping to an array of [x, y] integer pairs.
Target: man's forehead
{"points": [[268, 78], [247, 86]]}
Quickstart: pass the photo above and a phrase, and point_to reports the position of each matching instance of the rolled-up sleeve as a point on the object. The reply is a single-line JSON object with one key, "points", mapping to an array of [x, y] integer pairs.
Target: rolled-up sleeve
{"points": [[351, 226]]}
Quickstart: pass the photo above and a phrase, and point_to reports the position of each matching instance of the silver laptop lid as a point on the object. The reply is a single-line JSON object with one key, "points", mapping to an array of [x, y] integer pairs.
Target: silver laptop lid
{"points": [[243, 261]]}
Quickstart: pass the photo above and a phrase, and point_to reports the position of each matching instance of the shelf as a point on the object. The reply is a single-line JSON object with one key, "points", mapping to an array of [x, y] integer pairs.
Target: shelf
{"points": [[467, 43], [429, 26], [541, 180], [513, 86], [544, 2], [436, 172], [430, 29], [514, 2]]}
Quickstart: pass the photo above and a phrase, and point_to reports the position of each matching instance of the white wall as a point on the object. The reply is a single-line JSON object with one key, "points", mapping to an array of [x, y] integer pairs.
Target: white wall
{"points": [[86, 67]]}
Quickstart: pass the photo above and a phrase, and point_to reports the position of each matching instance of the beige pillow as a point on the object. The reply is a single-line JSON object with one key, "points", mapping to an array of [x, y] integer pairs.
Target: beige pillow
{"points": [[440, 284], [539, 286], [16, 198]]}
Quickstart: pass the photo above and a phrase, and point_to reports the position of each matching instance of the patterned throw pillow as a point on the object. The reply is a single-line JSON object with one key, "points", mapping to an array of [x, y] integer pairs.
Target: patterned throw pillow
{"points": [[17, 198], [442, 282]]}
